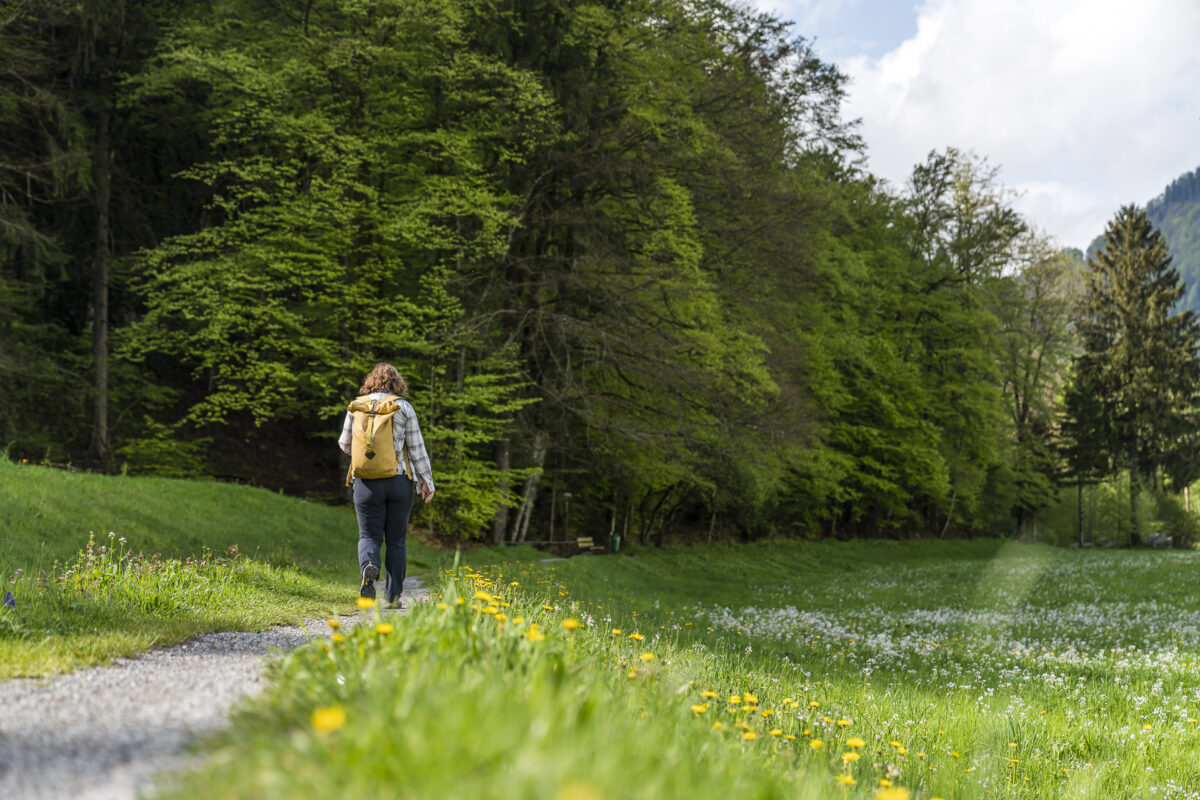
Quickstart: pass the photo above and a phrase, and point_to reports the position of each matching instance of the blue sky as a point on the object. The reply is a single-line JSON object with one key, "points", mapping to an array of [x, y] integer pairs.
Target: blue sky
{"points": [[850, 27], [1084, 105]]}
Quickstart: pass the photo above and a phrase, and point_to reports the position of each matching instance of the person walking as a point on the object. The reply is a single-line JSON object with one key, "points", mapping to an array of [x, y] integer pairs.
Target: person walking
{"points": [[383, 505]]}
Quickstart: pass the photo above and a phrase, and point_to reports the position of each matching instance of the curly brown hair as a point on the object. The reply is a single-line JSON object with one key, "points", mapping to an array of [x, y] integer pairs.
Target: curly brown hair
{"points": [[384, 378]]}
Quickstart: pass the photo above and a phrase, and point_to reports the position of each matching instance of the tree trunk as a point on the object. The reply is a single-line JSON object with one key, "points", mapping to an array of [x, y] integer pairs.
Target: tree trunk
{"points": [[529, 494], [503, 462], [1187, 499], [101, 197], [1135, 486], [1079, 511]]}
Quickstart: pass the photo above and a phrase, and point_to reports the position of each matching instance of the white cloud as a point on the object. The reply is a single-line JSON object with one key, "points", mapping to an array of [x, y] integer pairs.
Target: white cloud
{"points": [[1084, 104]]}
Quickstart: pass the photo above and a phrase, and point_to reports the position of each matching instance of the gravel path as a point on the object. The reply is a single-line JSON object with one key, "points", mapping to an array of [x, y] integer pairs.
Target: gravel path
{"points": [[102, 733]]}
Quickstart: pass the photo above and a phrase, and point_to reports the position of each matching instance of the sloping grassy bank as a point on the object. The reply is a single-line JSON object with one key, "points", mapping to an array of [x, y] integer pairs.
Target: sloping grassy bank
{"points": [[168, 559]]}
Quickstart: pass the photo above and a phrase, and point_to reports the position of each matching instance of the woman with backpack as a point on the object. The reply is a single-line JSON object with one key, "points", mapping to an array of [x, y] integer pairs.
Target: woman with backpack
{"points": [[385, 477]]}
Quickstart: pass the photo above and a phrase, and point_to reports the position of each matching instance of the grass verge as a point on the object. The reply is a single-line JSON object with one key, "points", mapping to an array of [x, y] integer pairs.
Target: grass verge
{"points": [[95, 567]]}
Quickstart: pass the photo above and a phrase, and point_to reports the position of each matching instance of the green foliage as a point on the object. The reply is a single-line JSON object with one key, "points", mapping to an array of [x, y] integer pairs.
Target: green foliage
{"points": [[629, 248], [1139, 359]]}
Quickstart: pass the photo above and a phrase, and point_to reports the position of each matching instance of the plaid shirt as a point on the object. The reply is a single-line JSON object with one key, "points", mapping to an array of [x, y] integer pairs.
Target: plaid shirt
{"points": [[405, 432]]}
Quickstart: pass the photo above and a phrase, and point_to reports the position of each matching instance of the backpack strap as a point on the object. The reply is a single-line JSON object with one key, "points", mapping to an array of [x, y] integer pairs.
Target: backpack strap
{"points": [[404, 447]]}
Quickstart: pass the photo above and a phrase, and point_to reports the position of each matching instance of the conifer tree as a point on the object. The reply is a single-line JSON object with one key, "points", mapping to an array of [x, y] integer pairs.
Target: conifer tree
{"points": [[1139, 358]]}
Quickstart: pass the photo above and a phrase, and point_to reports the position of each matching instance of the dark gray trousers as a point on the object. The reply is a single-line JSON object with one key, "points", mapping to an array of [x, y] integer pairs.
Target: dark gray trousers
{"points": [[383, 506]]}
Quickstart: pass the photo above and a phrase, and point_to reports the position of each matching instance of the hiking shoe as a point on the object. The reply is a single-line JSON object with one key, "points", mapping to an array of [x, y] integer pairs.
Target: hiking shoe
{"points": [[370, 573]]}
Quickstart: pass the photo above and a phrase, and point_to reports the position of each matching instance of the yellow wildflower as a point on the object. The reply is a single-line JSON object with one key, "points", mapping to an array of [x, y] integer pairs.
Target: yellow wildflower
{"points": [[816, 744], [333, 623], [749, 698], [483, 596], [570, 624], [716, 726], [328, 719], [443, 606], [637, 637], [700, 708], [849, 757], [534, 634], [855, 742], [894, 793], [846, 779], [709, 695], [776, 732], [749, 736], [365, 603], [616, 631], [384, 628], [843, 723], [646, 656], [337, 637]]}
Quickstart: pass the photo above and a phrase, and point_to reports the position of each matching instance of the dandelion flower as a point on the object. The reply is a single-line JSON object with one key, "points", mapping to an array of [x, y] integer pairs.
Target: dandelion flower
{"points": [[893, 793], [384, 628], [328, 719], [717, 726], [846, 779], [501, 617], [816, 744], [843, 723], [633, 673], [570, 624], [896, 744], [443, 606], [616, 631], [337, 637], [366, 603], [814, 704], [483, 596], [884, 782], [855, 742], [518, 620], [637, 637], [849, 757], [534, 634], [646, 656], [709, 695], [749, 698], [333, 623], [749, 736], [700, 708], [776, 732]]}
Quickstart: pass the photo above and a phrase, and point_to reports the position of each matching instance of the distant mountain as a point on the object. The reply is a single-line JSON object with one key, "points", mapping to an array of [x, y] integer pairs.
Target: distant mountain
{"points": [[1176, 212]]}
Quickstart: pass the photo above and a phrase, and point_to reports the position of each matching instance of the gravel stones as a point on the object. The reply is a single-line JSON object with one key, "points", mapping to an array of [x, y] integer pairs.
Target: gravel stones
{"points": [[102, 733]]}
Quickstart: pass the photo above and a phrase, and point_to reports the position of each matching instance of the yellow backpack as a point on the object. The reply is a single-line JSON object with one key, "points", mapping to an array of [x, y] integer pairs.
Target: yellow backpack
{"points": [[373, 421]]}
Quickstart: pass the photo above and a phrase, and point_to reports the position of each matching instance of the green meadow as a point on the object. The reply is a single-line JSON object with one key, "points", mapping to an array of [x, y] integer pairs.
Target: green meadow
{"points": [[782, 669], [972, 669]]}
